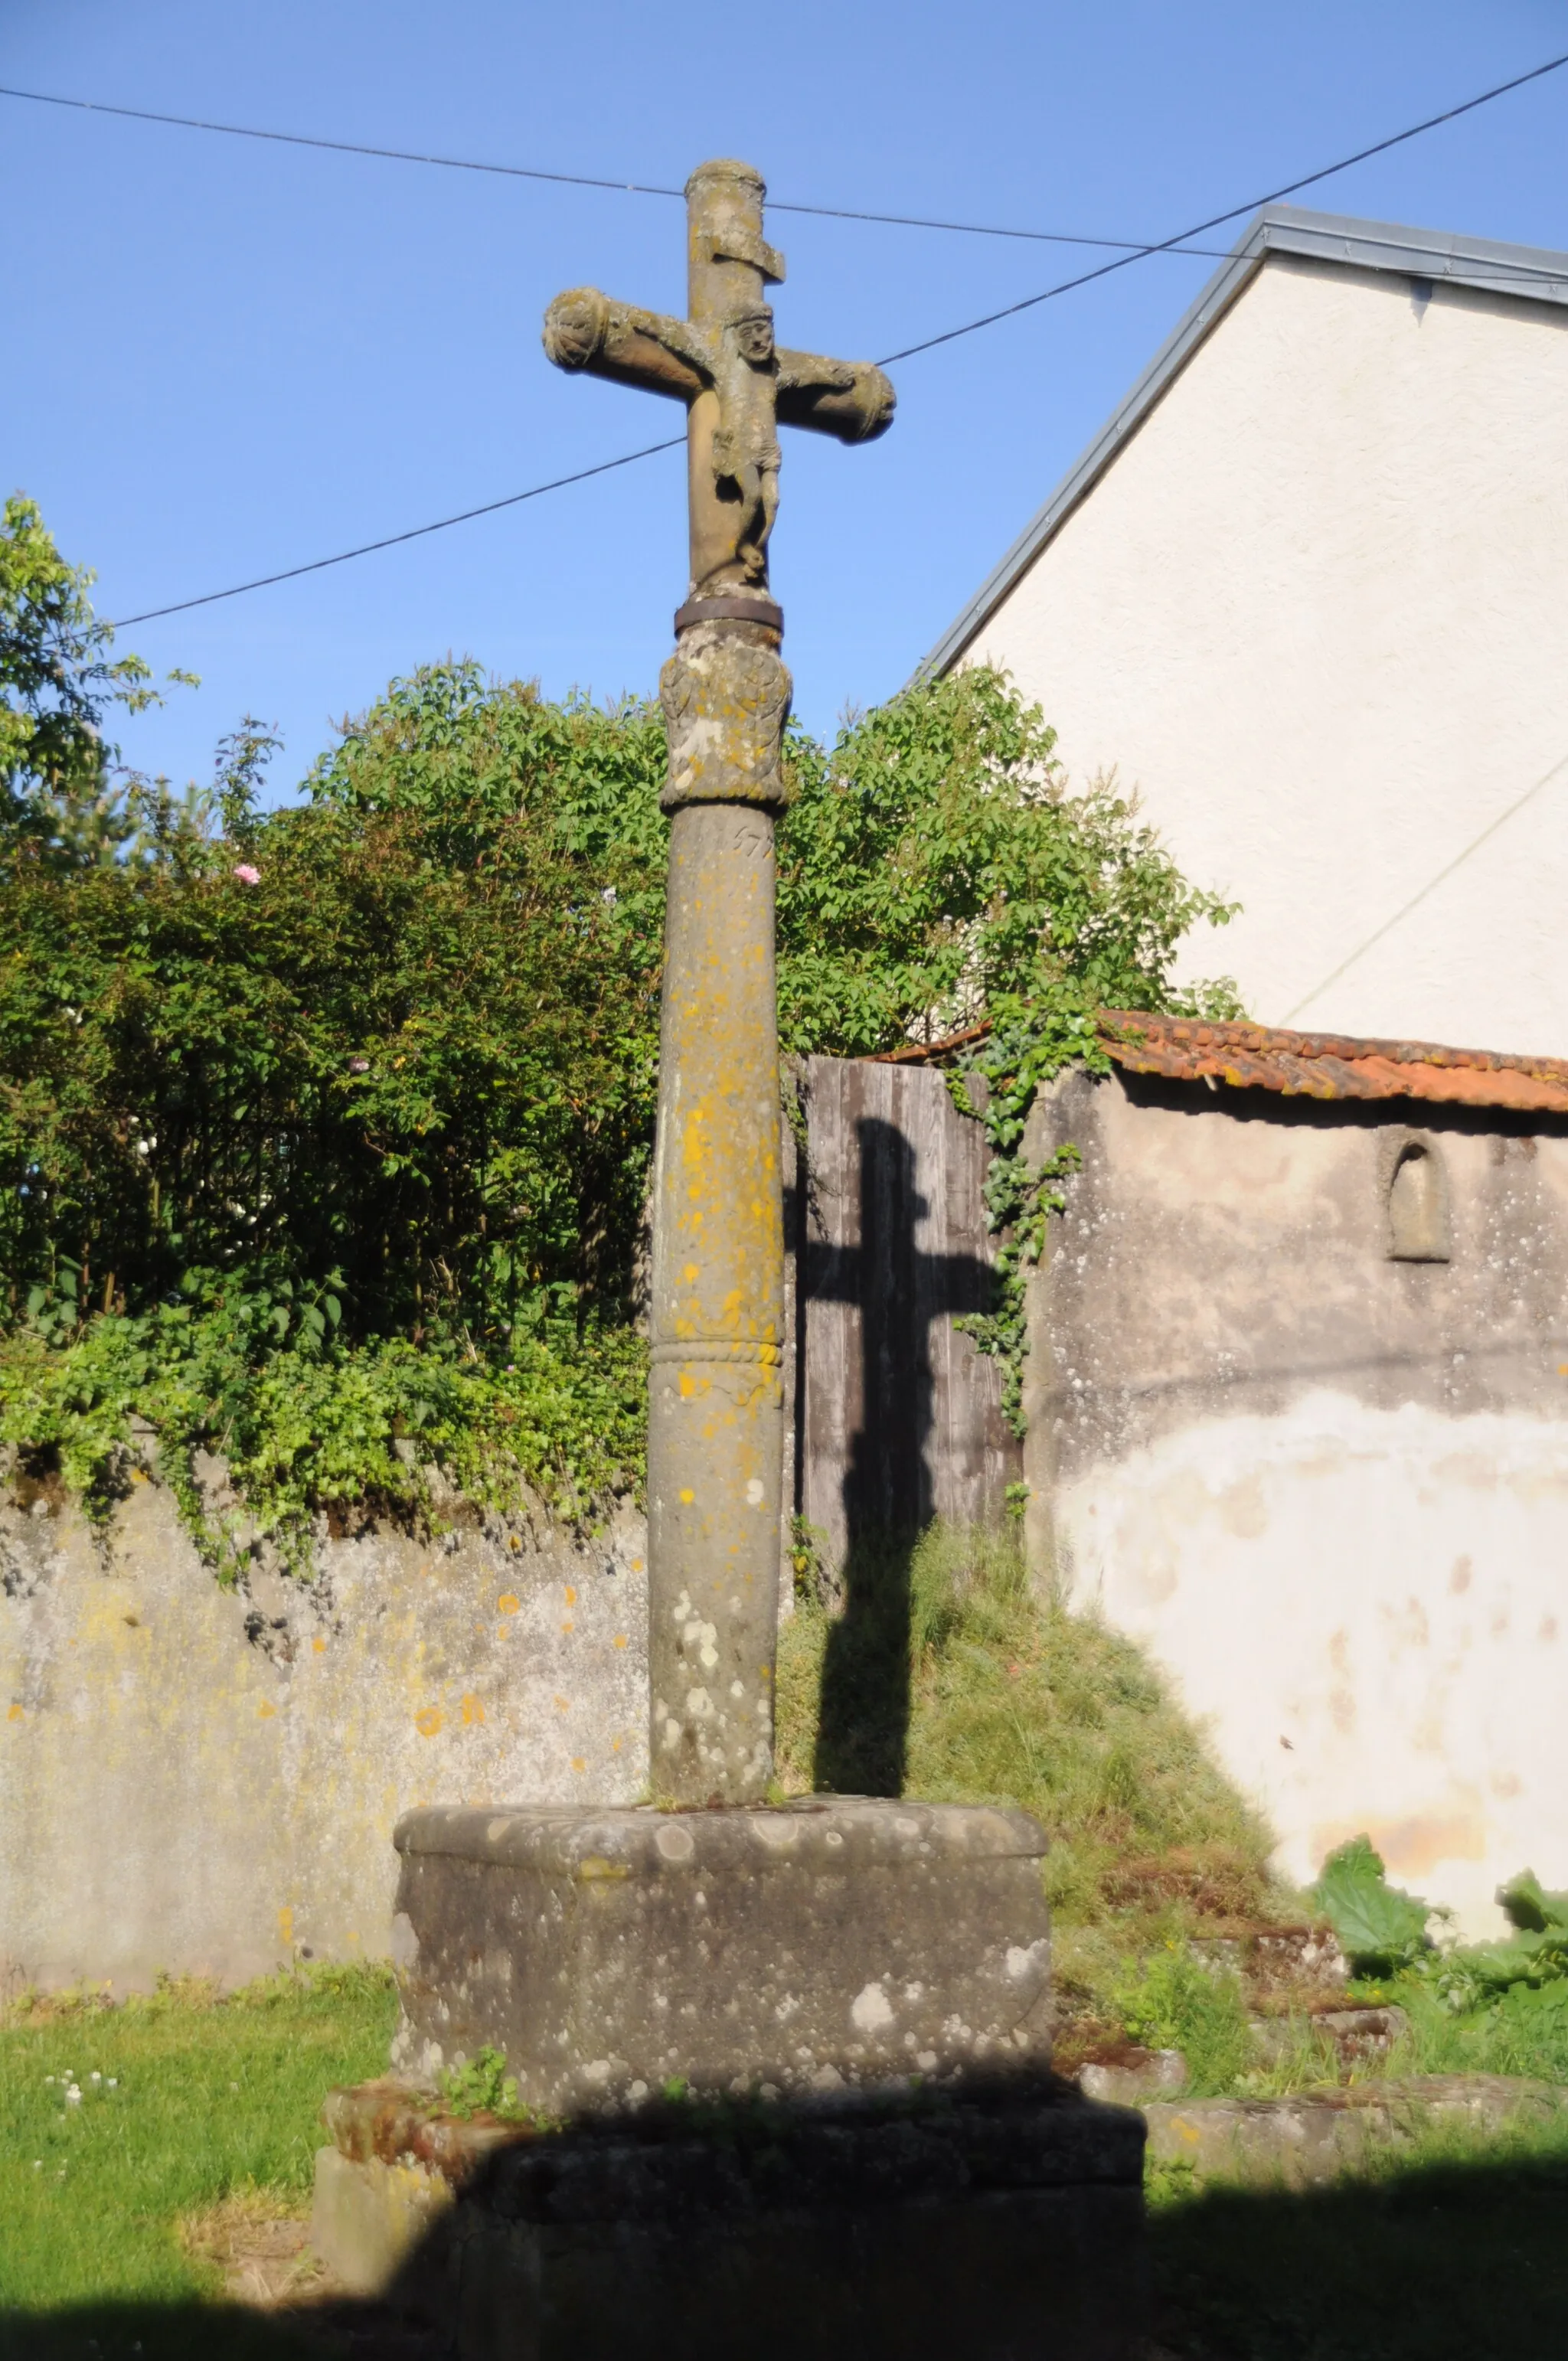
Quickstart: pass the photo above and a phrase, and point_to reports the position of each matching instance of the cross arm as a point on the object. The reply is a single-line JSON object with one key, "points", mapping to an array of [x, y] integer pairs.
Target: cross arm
{"points": [[850, 400], [585, 330]]}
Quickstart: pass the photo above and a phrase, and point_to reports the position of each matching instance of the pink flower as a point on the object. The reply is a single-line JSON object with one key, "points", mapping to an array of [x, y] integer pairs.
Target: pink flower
{"points": [[359, 1065], [245, 873]]}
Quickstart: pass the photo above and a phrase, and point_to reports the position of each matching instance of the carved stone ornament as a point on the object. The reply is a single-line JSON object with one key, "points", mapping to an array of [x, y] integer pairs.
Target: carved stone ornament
{"points": [[725, 707]]}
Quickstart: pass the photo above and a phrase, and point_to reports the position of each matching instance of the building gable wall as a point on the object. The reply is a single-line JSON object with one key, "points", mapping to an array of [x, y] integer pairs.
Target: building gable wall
{"points": [[1312, 612]]}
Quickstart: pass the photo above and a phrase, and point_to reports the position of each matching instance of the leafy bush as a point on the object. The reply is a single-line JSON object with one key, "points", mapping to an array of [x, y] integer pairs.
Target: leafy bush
{"points": [[934, 870], [1383, 1933], [1527, 1905], [62, 805], [400, 1038], [1534, 1959], [284, 1092], [309, 1425], [936, 875], [481, 2086]]}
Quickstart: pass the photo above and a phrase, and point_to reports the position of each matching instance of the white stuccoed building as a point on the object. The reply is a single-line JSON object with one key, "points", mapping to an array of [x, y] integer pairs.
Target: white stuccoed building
{"points": [[1308, 592]]}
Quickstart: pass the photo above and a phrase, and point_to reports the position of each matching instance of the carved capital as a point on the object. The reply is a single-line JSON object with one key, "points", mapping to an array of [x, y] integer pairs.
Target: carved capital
{"points": [[725, 707]]}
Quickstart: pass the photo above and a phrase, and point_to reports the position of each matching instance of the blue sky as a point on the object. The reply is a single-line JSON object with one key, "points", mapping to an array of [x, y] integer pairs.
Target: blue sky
{"points": [[225, 357]]}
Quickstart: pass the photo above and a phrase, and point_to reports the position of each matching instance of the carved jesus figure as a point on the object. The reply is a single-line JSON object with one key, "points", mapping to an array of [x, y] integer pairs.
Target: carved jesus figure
{"points": [[723, 363]]}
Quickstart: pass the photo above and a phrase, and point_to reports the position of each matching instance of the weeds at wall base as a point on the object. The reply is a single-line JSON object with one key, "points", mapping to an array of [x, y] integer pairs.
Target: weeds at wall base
{"points": [[305, 1984]]}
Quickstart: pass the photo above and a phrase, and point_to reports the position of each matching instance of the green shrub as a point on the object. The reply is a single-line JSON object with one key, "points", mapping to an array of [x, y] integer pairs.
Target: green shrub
{"points": [[1172, 2001], [311, 1424], [283, 1092], [480, 2086], [1380, 1927]]}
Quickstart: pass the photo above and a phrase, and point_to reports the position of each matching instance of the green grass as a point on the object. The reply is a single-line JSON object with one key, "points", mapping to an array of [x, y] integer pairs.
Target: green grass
{"points": [[1451, 2251], [944, 1675], [939, 1672], [1524, 2032], [210, 2098]]}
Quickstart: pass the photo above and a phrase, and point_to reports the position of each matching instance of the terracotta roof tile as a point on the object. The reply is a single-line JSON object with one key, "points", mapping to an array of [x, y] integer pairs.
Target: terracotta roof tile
{"points": [[1331, 1065]]}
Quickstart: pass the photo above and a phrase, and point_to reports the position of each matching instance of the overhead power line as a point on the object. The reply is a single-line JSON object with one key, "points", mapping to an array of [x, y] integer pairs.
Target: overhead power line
{"points": [[341, 146], [415, 532], [1290, 189], [928, 344], [1429, 888], [564, 179]]}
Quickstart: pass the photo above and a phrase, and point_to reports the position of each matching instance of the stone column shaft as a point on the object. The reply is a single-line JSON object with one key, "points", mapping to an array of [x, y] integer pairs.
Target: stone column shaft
{"points": [[716, 1390]]}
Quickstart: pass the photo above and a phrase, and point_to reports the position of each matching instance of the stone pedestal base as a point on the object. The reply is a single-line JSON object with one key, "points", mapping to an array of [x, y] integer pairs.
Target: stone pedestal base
{"points": [[834, 1942], [852, 2230]]}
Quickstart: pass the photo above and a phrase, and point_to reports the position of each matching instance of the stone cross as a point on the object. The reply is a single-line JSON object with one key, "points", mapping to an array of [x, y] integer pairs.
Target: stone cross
{"points": [[716, 1401]]}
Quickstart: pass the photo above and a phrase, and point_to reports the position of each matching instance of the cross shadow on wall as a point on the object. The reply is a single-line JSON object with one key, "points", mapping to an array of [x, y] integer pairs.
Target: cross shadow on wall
{"points": [[889, 1492]]}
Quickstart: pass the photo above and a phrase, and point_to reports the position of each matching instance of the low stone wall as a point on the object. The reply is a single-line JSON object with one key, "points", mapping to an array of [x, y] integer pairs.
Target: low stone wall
{"points": [[206, 1782]]}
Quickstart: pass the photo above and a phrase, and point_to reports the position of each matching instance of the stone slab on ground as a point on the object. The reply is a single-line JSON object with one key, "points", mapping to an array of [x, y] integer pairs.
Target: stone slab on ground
{"points": [[1316, 2134], [872, 2230], [834, 1941], [1358, 2035], [1132, 2075]]}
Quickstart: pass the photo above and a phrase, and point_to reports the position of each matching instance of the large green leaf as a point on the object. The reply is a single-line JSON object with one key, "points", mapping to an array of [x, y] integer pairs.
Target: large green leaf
{"points": [[1528, 1905], [1377, 1924]]}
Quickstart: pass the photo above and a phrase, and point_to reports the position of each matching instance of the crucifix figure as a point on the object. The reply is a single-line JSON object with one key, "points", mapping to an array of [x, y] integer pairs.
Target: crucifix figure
{"points": [[716, 1404]]}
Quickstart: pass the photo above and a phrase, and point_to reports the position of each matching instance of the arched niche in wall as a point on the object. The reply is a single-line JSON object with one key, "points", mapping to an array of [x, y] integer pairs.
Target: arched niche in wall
{"points": [[1414, 1193]]}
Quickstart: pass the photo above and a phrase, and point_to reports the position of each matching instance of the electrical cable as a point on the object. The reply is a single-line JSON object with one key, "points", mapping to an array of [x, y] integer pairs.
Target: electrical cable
{"points": [[390, 540], [1429, 888], [949, 336], [341, 146], [566, 179], [1307, 179]]}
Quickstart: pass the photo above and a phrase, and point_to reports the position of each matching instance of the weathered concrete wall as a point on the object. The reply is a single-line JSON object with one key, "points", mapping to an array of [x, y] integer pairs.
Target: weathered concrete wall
{"points": [[1310, 610], [207, 1781], [898, 1416], [1328, 1488]]}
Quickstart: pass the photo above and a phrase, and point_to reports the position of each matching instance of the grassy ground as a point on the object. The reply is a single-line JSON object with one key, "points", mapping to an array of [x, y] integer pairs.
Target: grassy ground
{"points": [[944, 1676], [195, 2101], [941, 1675], [1451, 2252]]}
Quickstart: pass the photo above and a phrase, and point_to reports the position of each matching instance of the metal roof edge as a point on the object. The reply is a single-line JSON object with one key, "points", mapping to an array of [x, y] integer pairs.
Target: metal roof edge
{"points": [[1538, 274]]}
